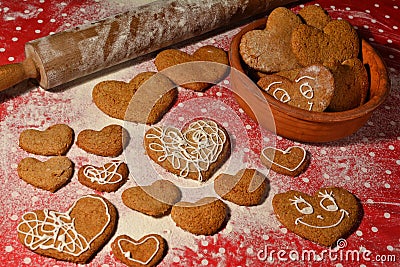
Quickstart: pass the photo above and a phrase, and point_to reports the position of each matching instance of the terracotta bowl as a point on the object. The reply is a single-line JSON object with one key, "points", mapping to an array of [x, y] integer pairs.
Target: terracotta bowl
{"points": [[302, 125]]}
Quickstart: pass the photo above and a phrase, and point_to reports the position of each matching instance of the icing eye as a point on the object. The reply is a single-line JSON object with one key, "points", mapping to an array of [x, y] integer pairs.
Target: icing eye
{"points": [[302, 205], [328, 202]]}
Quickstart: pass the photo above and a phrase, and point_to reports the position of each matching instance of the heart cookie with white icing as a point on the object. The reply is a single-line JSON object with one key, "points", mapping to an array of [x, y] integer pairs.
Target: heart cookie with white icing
{"points": [[312, 89], [195, 152], [73, 236], [331, 214], [48, 175], [147, 251], [292, 161], [107, 178]]}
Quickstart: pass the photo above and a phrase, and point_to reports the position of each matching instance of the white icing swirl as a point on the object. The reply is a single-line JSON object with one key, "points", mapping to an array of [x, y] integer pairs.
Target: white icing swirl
{"points": [[104, 175]]}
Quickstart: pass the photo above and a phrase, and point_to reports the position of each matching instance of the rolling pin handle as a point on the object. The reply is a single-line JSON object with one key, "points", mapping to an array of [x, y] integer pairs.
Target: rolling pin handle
{"points": [[13, 74]]}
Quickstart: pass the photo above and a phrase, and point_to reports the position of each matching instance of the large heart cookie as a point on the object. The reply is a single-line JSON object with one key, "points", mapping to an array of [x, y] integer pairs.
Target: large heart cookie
{"points": [[331, 214], [312, 89], [338, 41], [197, 77], [149, 97], [49, 175], [269, 50], [155, 200], [54, 141], [196, 152], [291, 161], [107, 178], [247, 187], [351, 84], [75, 235], [147, 251], [108, 142], [205, 217]]}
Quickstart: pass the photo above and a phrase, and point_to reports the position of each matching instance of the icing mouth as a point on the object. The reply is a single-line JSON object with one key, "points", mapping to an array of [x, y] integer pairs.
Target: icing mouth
{"points": [[344, 213]]}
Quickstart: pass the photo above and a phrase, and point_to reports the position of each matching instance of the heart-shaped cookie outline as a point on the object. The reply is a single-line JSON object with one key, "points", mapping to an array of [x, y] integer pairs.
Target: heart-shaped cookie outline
{"points": [[55, 140], [269, 50], [163, 194], [47, 236], [43, 175], [337, 41], [98, 142], [292, 207], [144, 99], [199, 164], [284, 152], [119, 251], [203, 217], [107, 178], [312, 88], [196, 77]]}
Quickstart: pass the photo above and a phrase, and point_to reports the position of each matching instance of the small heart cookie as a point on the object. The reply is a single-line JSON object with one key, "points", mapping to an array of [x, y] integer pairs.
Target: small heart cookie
{"points": [[56, 140], [196, 152], [107, 178], [108, 142], [205, 217], [269, 50], [312, 89], [50, 175], [75, 235], [247, 187], [338, 41], [331, 214], [351, 84], [292, 161], [196, 77], [155, 200], [151, 95], [147, 251]]}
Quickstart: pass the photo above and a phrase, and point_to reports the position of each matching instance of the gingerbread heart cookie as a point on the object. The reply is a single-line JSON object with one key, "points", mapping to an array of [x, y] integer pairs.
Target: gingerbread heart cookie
{"points": [[75, 235], [269, 50], [108, 142], [195, 152], [331, 214], [151, 95], [351, 84], [338, 41], [155, 200], [292, 161], [205, 217], [147, 251], [56, 140], [196, 77], [50, 175], [248, 187], [312, 89], [107, 178]]}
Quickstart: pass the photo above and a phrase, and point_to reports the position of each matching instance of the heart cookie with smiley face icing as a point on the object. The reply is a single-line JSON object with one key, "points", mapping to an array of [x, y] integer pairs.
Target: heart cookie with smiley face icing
{"points": [[312, 89], [195, 152], [331, 214]]}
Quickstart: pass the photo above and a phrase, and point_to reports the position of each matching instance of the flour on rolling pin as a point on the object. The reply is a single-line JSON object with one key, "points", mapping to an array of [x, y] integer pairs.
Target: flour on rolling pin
{"points": [[74, 53]]}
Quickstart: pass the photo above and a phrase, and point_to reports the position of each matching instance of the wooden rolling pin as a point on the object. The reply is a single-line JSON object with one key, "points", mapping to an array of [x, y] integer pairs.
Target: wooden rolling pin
{"points": [[71, 54]]}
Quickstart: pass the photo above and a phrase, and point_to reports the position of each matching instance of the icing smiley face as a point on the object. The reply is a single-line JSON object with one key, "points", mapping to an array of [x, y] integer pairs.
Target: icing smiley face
{"points": [[332, 213]]}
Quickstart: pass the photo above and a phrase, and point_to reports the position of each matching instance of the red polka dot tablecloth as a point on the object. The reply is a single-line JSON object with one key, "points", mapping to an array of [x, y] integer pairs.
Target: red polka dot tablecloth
{"points": [[366, 163]]}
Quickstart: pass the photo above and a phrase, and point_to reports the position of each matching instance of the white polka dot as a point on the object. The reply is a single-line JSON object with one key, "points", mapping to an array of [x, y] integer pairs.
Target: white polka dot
{"points": [[284, 230], [359, 233], [388, 172], [347, 178], [18, 28], [222, 108], [241, 110], [371, 39], [105, 265], [374, 229], [14, 39], [350, 17], [390, 248], [339, 265], [246, 150], [176, 259], [376, 5], [27, 260], [200, 94], [390, 41], [248, 127], [37, 31], [323, 151], [219, 94], [2, 49], [373, 20], [14, 217], [221, 250], [181, 119], [343, 149], [391, 147], [226, 82], [204, 262], [34, 199], [26, 11], [326, 176], [204, 243], [387, 16], [306, 180], [246, 231], [11, 59], [265, 237], [395, 28], [372, 154], [370, 201], [398, 162], [40, 21], [52, 20], [386, 215], [367, 185], [366, 27], [203, 110], [364, 170], [387, 186], [9, 248], [380, 30], [250, 251]]}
